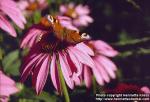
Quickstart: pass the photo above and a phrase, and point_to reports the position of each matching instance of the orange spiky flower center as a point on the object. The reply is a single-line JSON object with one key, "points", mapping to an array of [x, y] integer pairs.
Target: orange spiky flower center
{"points": [[33, 6], [71, 13]]}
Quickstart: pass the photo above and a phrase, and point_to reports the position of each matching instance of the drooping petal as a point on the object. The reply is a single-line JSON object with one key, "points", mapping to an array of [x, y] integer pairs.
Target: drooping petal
{"points": [[6, 90], [43, 73], [5, 25], [40, 73], [85, 48], [13, 12], [5, 79], [65, 70], [7, 86], [108, 63], [54, 73], [98, 76], [108, 68], [76, 79], [76, 62], [29, 66], [102, 71], [22, 4], [103, 48], [82, 57], [36, 71], [87, 77]]}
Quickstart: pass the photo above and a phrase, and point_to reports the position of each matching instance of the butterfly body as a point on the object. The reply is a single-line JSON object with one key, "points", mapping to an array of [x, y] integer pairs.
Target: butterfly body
{"points": [[62, 33]]}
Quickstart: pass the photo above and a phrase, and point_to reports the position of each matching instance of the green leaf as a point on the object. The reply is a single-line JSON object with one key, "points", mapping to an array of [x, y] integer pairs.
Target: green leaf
{"points": [[37, 16], [28, 95], [11, 63], [46, 97]]}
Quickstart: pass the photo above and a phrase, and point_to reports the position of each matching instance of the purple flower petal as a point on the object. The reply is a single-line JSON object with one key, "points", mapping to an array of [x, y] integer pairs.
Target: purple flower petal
{"points": [[65, 70], [106, 64], [5, 25], [87, 77], [76, 62], [103, 48], [54, 73], [85, 48], [82, 57]]}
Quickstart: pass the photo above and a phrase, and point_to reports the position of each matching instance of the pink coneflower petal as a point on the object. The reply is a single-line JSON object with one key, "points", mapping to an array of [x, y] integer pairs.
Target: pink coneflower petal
{"points": [[4, 99], [29, 66], [98, 76], [83, 20], [85, 48], [35, 71], [41, 75], [82, 10], [145, 89], [7, 90], [13, 12], [4, 78], [87, 77], [102, 71], [82, 57], [87, 18], [107, 67], [76, 62], [63, 9], [67, 22], [54, 73], [5, 25], [31, 35], [103, 48], [66, 71], [108, 63], [22, 4], [7, 86], [76, 79]]}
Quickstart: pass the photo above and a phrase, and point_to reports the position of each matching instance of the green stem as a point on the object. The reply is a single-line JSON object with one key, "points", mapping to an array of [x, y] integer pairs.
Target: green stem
{"points": [[94, 85], [63, 85], [1, 57]]}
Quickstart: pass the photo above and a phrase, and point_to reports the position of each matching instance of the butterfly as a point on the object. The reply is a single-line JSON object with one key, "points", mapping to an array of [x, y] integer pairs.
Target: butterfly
{"points": [[63, 33]]}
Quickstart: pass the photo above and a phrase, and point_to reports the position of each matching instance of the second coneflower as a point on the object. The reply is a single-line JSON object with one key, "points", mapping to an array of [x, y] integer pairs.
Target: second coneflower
{"points": [[55, 49], [78, 13]]}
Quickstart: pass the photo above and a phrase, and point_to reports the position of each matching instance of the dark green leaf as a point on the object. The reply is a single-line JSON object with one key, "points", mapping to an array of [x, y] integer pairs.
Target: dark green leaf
{"points": [[11, 63]]}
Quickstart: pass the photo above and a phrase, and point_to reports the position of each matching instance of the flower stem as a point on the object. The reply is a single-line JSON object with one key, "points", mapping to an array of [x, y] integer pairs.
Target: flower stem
{"points": [[94, 85], [63, 85]]}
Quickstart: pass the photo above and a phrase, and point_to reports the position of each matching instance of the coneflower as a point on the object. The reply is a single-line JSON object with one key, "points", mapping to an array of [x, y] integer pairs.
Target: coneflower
{"points": [[56, 49], [78, 13], [9, 8]]}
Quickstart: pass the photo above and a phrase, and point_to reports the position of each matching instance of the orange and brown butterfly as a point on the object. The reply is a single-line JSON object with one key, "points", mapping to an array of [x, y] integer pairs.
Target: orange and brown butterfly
{"points": [[62, 33]]}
